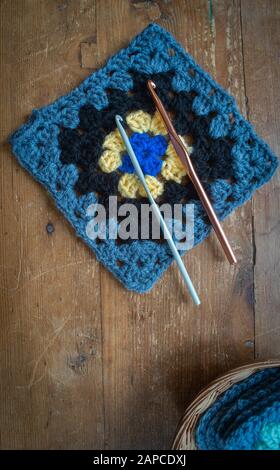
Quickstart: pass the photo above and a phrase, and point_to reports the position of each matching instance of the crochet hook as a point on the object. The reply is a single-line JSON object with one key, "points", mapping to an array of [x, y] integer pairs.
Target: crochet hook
{"points": [[182, 152], [156, 211]]}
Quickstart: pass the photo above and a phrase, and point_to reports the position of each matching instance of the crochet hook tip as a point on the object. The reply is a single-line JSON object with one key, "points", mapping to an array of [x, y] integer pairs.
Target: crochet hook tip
{"points": [[118, 119], [151, 84]]}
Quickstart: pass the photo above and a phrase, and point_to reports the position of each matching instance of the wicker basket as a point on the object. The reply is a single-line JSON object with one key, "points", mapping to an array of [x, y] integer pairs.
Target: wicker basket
{"points": [[185, 434]]}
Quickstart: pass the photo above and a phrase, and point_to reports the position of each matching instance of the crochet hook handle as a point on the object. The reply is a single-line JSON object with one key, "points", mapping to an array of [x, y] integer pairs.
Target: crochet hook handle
{"points": [[157, 212], [208, 207], [182, 152]]}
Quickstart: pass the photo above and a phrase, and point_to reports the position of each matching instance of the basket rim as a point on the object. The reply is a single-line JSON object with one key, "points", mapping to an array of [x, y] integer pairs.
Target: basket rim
{"points": [[192, 412]]}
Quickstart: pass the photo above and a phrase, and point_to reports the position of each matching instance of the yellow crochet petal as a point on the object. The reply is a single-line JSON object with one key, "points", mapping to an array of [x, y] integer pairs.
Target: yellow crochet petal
{"points": [[109, 161], [170, 152], [157, 125], [128, 185], [113, 141], [172, 167], [171, 170], [139, 121], [155, 186]]}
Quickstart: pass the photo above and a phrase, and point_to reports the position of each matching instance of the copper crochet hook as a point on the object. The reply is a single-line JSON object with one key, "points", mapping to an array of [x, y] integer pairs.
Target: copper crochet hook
{"points": [[182, 152]]}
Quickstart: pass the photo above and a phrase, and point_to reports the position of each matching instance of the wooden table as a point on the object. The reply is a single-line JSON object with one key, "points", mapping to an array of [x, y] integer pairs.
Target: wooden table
{"points": [[85, 363]]}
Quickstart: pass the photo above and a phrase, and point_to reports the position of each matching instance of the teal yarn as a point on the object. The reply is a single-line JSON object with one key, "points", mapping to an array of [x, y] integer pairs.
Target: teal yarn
{"points": [[269, 438], [245, 417], [236, 162]]}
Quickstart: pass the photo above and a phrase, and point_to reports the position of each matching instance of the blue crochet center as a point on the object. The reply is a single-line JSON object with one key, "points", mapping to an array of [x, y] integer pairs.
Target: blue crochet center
{"points": [[35, 144], [148, 150], [245, 417]]}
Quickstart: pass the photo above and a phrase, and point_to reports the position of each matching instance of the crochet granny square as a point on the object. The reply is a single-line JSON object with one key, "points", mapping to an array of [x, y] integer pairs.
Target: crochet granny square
{"points": [[73, 148]]}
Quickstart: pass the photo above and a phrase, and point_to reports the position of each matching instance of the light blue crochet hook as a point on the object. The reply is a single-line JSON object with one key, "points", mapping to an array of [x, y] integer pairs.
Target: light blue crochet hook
{"points": [[157, 212]]}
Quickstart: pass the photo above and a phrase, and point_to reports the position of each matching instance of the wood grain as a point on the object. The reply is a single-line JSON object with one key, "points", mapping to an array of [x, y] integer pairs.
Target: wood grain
{"points": [[261, 38], [51, 342], [85, 363]]}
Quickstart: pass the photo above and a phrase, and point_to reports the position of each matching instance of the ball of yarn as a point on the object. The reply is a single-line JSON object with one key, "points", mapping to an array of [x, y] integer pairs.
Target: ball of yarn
{"points": [[245, 417]]}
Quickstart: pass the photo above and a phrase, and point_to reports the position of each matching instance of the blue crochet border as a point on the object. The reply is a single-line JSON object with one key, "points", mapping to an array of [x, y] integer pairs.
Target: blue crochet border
{"points": [[35, 145]]}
